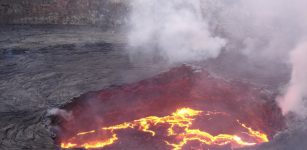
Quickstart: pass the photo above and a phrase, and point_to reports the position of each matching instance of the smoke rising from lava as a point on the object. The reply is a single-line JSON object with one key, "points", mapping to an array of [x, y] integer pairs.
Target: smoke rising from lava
{"points": [[264, 31], [296, 96], [60, 112], [175, 30]]}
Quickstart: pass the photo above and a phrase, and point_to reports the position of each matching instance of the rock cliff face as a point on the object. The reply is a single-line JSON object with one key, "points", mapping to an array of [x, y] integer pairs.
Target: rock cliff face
{"points": [[106, 13]]}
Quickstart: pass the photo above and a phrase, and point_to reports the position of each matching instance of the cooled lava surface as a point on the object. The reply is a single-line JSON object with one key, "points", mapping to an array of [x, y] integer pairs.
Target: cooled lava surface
{"points": [[182, 108]]}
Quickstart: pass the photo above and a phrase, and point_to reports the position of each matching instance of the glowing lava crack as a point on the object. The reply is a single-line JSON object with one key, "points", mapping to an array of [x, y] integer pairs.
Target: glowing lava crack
{"points": [[178, 129]]}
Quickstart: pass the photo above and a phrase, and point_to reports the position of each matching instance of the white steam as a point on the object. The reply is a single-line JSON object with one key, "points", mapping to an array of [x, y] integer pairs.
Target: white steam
{"points": [[295, 99], [190, 30], [175, 30], [60, 112]]}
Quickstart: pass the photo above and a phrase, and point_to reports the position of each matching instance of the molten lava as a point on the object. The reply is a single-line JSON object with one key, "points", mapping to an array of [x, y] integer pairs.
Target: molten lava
{"points": [[177, 129], [233, 114]]}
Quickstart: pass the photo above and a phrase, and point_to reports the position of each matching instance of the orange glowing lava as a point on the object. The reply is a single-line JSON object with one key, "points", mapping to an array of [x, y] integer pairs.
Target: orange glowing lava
{"points": [[178, 129]]}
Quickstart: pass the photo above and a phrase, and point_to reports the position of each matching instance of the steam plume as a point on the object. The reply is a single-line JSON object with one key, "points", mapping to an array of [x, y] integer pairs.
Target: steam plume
{"points": [[60, 112], [175, 30], [295, 98], [264, 31]]}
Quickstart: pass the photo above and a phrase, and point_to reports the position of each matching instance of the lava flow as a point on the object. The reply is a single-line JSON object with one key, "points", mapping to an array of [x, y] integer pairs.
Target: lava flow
{"points": [[178, 132], [177, 109]]}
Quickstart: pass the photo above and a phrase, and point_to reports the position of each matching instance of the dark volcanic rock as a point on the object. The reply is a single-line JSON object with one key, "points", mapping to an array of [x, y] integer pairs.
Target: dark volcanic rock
{"points": [[106, 13], [42, 67], [25, 130]]}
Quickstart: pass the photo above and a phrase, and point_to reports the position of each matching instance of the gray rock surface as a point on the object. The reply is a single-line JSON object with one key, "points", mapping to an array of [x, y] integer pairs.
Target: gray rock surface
{"points": [[106, 13], [46, 66]]}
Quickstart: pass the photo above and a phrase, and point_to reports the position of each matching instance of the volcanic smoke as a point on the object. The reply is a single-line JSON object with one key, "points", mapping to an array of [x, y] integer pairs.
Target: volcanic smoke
{"points": [[267, 32], [295, 99], [175, 30]]}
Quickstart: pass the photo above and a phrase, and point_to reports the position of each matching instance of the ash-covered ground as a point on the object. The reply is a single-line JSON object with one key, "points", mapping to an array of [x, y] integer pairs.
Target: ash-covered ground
{"points": [[43, 67]]}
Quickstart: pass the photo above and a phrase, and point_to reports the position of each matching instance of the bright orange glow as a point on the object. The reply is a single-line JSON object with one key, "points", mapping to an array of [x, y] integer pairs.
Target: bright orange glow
{"points": [[261, 136], [181, 119]]}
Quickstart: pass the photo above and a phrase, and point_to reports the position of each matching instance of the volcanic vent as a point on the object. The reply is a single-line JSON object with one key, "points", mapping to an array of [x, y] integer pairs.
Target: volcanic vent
{"points": [[179, 109]]}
